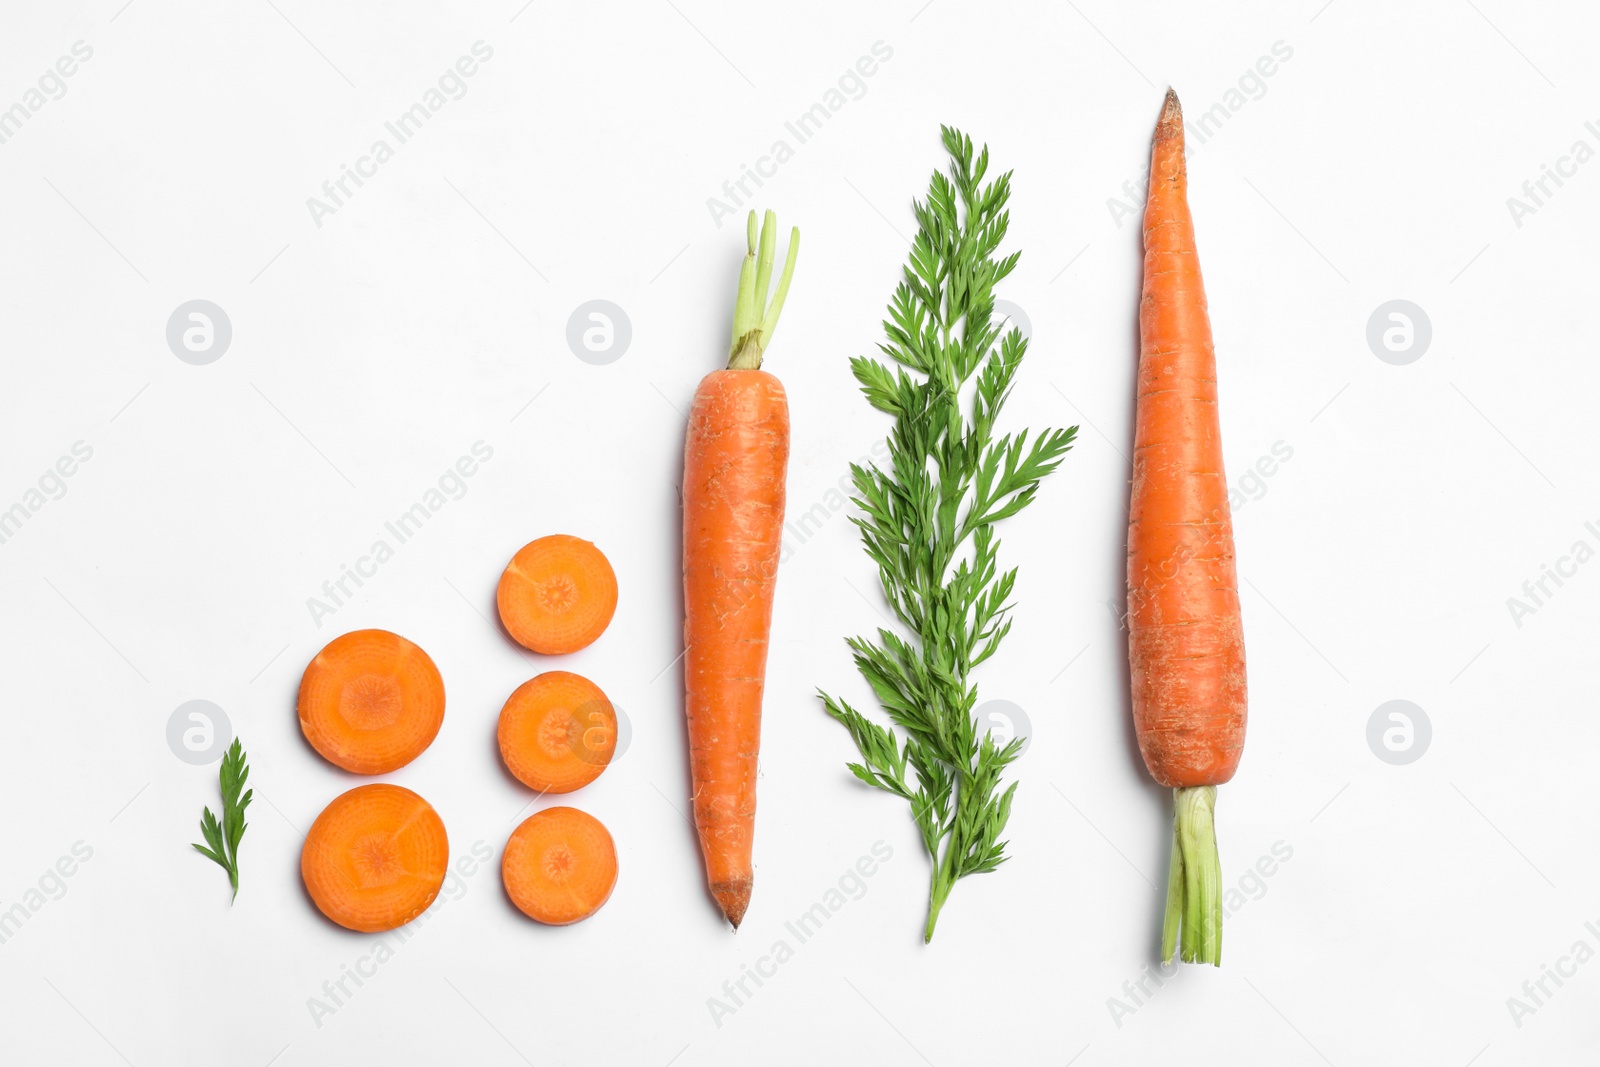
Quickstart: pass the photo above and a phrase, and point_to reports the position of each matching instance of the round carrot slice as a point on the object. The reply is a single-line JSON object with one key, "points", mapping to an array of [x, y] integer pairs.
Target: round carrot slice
{"points": [[557, 594], [371, 702], [557, 732], [560, 866], [375, 858]]}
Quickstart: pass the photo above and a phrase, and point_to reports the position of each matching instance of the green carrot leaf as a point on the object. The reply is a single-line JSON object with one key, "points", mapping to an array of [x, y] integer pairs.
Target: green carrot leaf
{"points": [[223, 835], [927, 522]]}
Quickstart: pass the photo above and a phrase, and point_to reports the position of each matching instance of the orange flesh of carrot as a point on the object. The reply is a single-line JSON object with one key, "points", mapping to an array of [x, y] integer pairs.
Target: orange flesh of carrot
{"points": [[557, 595], [375, 858], [557, 732], [559, 866], [371, 702], [1186, 640], [735, 461]]}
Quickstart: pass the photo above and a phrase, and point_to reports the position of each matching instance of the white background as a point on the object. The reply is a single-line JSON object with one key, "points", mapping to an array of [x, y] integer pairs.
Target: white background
{"points": [[430, 312]]}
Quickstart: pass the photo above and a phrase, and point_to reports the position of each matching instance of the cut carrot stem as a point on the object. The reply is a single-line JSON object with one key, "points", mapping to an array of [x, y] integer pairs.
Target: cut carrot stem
{"points": [[371, 702], [736, 455], [557, 732], [1185, 634], [375, 858], [557, 595], [1194, 893], [560, 866]]}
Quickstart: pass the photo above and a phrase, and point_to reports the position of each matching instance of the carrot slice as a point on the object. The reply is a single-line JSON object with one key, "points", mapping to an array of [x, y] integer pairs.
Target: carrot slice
{"points": [[375, 858], [557, 594], [557, 732], [560, 866], [371, 702]]}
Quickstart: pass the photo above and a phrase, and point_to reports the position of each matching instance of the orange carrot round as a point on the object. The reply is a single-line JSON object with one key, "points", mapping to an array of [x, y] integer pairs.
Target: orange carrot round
{"points": [[559, 866], [557, 595], [557, 732], [375, 858], [371, 702], [736, 456], [1185, 636]]}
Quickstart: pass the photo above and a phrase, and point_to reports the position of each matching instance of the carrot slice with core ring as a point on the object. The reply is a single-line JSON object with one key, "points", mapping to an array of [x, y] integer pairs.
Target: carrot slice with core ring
{"points": [[375, 858], [560, 866], [371, 702], [557, 595], [557, 732]]}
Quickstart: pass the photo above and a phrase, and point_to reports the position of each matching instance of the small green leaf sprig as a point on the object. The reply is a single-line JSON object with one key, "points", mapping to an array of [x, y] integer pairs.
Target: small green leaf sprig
{"points": [[223, 837]]}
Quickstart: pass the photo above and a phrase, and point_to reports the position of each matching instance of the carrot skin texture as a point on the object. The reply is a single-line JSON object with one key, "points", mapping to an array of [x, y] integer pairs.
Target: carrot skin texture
{"points": [[1185, 636], [736, 459]]}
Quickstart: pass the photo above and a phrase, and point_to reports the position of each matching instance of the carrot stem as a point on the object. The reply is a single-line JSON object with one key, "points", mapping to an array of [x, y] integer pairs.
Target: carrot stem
{"points": [[769, 322], [1194, 897], [744, 305], [938, 892], [764, 256], [754, 319]]}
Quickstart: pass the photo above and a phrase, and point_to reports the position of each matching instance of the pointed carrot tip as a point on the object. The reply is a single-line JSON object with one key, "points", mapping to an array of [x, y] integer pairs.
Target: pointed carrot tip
{"points": [[733, 898], [1171, 110]]}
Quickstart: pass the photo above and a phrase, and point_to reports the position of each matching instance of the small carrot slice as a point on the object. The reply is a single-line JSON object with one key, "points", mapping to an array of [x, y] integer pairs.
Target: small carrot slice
{"points": [[371, 702], [557, 594], [557, 732], [375, 858], [560, 866]]}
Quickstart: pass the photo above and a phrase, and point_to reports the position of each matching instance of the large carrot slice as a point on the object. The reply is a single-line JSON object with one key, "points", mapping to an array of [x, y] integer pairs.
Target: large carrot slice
{"points": [[375, 858], [557, 594], [557, 732], [735, 458], [371, 701], [1185, 636], [560, 866]]}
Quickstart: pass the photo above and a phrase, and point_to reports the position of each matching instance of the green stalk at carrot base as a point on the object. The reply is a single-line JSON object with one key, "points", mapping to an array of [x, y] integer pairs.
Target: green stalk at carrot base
{"points": [[1194, 879]]}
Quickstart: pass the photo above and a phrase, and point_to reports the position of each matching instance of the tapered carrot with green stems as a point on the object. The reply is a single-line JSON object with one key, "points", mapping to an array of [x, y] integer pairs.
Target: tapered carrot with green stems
{"points": [[736, 455], [1185, 635]]}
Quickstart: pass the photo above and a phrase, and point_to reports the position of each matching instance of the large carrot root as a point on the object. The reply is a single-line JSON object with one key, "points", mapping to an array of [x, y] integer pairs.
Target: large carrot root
{"points": [[1185, 636], [735, 460]]}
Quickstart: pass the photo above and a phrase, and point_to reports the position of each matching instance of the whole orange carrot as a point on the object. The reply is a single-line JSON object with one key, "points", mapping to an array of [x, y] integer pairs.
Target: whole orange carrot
{"points": [[735, 459], [1185, 638]]}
